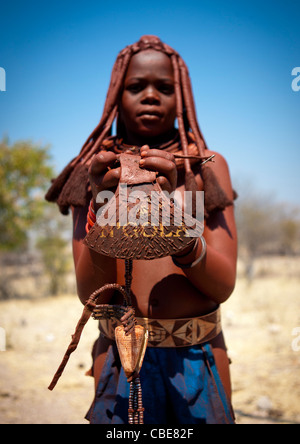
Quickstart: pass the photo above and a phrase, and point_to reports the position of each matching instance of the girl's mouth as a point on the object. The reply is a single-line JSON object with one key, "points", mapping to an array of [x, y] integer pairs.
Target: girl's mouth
{"points": [[150, 114]]}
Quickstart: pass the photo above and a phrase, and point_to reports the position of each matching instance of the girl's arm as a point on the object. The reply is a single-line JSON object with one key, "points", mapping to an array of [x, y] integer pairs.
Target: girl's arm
{"points": [[92, 270], [215, 275]]}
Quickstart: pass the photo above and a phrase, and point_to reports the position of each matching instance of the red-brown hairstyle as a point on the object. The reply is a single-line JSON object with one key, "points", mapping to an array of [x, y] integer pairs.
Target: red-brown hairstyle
{"points": [[71, 186]]}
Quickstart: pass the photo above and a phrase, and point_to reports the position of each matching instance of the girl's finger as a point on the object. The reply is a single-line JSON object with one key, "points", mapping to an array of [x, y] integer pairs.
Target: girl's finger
{"points": [[163, 166], [101, 162], [157, 153]]}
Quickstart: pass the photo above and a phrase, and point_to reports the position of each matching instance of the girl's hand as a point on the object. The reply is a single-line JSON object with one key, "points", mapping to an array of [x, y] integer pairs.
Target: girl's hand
{"points": [[162, 162], [101, 174]]}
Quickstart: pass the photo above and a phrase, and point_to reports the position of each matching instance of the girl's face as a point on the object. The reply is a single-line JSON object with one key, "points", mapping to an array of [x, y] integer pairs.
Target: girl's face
{"points": [[148, 105]]}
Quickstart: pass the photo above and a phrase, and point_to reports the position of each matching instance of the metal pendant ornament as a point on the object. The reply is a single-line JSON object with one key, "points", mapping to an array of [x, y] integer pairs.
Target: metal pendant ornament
{"points": [[140, 222]]}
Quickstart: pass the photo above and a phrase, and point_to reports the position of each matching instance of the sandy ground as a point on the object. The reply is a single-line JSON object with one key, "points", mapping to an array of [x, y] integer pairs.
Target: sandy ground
{"points": [[260, 321]]}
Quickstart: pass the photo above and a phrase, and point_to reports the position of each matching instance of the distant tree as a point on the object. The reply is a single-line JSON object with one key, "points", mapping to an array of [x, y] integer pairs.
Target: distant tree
{"points": [[257, 223], [289, 230], [25, 173], [54, 244], [265, 226]]}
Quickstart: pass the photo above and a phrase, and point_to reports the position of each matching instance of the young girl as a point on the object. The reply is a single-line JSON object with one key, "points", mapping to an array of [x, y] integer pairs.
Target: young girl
{"points": [[185, 374]]}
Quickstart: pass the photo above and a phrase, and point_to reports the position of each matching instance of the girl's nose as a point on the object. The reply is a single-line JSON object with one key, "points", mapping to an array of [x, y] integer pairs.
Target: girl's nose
{"points": [[150, 96]]}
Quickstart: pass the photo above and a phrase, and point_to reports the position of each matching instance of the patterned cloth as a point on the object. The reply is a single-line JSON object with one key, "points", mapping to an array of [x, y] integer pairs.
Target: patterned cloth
{"points": [[179, 386]]}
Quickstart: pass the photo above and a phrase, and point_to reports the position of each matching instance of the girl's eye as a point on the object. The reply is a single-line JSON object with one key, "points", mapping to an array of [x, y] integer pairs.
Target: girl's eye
{"points": [[167, 89], [164, 88], [134, 88]]}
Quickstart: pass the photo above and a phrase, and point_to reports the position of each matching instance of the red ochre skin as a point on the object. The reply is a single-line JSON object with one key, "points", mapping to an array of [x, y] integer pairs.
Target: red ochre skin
{"points": [[160, 289]]}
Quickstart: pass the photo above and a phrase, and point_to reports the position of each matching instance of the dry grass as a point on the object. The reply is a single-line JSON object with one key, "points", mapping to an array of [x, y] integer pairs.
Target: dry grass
{"points": [[258, 322]]}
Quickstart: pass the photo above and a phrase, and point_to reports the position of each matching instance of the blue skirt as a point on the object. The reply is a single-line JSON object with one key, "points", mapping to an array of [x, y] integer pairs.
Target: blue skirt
{"points": [[179, 386]]}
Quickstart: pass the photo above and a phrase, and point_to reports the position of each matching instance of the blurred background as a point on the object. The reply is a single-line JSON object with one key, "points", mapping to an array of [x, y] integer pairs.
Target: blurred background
{"points": [[56, 60]]}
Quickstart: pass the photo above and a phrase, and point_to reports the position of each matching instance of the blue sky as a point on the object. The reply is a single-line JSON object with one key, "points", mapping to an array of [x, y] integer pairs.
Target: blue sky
{"points": [[58, 58]]}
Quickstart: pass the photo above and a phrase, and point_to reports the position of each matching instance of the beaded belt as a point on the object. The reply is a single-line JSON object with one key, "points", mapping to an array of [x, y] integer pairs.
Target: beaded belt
{"points": [[182, 332]]}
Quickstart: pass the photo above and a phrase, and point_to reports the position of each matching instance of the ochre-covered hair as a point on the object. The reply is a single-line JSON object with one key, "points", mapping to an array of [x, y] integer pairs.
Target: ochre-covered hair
{"points": [[70, 188]]}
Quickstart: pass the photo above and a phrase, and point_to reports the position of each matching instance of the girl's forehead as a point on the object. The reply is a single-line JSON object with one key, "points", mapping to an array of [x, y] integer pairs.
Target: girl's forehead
{"points": [[150, 61]]}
